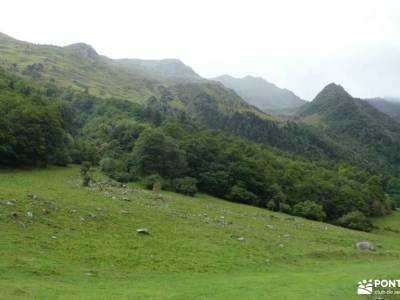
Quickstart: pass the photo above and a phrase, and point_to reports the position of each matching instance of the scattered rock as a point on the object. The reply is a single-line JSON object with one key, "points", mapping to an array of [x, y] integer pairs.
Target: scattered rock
{"points": [[365, 246], [72, 211], [270, 226], [124, 212], [10, 203], [53, 237], [143, 231], [241, 238], [29, 214]]}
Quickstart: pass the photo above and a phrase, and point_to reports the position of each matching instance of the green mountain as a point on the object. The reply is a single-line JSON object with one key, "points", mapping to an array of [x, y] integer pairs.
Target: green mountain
{"points": [[263, 94], [389, 106], [370, 137]]}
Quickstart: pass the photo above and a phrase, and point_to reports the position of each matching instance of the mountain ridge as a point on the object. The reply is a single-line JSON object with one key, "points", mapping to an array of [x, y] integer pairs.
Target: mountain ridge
{"points": [[261, 93]]}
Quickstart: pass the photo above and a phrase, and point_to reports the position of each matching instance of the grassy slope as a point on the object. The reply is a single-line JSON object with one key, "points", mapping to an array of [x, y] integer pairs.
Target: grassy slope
{"points": [[81, 244], [105, 77]]}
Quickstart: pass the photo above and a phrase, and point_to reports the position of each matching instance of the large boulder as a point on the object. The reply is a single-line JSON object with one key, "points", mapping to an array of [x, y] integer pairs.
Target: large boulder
{"points": [[365, 246]]}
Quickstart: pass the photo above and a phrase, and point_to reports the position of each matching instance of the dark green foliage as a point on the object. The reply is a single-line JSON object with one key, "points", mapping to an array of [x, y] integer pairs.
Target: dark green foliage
{"points": [[240, 194], [309, 210], [116, 169], [355, 220], [32, 128], [85, 173], [185, 185], [155, 152], [151, 180]]}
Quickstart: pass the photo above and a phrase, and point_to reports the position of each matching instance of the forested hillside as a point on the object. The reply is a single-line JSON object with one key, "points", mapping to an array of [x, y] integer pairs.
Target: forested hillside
{"points": [[132, 142], [371, 138], [178, 131]]}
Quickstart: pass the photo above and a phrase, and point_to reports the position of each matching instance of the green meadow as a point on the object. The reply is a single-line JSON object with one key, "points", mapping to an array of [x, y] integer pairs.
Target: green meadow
{"points": [[63, 241]]}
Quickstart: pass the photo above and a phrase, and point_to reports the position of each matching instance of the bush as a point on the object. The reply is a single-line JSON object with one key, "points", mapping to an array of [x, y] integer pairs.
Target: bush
{"points": [[271, 205], [240, 194], [149, 181], [309, 210], [185, 185], [116, 169], [355, 220], [286, 208]]}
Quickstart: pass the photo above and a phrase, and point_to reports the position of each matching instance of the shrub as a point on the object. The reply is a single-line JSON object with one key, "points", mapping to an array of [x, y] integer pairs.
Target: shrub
{"points": [[85, 169], [149, 181], [355, 220], [271, 205], [240, 194], [286, 208], [185, 185], [309, 210]]}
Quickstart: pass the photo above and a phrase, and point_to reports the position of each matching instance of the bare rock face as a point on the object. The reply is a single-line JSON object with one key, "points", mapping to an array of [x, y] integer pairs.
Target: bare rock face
{"points": [[365, 246]]}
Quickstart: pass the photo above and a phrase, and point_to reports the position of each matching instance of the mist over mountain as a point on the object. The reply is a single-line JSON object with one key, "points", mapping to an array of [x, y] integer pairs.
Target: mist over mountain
{"points": [[263, 94], [389, 106]]}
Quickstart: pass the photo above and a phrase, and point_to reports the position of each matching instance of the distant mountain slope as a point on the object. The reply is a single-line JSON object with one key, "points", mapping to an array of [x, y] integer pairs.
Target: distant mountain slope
{"points": [[371, 138], [79, 66], [388, 106], [263, 94]]}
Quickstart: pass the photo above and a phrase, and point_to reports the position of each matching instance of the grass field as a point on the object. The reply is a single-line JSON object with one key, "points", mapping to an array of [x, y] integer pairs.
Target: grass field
{"points": [[62, 241]]}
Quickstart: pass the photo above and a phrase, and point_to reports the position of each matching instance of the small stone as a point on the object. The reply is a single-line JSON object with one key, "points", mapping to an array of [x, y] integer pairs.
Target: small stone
{"points": [[53, 237], [270, 226], [29, 214], [143, 231], [72, 211], [10, 203], [124, 212], [241, 239], [365, 246]]}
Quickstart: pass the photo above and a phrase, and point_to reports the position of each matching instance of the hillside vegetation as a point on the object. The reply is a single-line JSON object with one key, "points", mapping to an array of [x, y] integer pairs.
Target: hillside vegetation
{"points": [[371, 138], [63, 241]]}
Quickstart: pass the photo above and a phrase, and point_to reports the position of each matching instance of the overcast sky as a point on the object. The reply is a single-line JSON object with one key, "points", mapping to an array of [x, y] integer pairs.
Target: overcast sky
{"points": [[299, 45]]}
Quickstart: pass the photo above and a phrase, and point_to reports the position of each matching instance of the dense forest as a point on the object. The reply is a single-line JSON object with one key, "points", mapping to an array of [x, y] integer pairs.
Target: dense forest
{"points": [[155, 145]]}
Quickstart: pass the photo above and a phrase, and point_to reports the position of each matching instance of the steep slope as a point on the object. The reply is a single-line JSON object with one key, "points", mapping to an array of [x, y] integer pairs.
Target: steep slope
{"points": [[389, 106], [371, 138], [263, 94]]}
